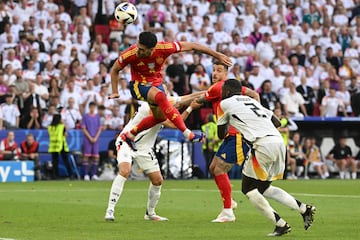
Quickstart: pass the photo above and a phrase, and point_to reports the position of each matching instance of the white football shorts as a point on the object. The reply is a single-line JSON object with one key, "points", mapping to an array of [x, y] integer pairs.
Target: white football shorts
{"points": [[268, 164], [146, 160]]}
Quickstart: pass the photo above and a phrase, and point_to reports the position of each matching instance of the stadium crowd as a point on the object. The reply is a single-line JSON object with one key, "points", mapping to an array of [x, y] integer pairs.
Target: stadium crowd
{"points": [[302, 56]]}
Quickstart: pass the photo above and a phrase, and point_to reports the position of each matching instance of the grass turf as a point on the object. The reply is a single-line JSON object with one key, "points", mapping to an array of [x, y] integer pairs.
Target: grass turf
{"points": [[75, 210]]}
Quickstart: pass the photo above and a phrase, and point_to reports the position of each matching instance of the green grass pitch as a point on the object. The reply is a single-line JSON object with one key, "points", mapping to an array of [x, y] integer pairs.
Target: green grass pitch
{"points": [[75, 210]]}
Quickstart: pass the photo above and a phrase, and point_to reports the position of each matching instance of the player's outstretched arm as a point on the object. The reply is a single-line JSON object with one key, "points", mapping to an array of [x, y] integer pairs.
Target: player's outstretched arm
{"points": [[115, 80], [251, 93], [190, 46]]}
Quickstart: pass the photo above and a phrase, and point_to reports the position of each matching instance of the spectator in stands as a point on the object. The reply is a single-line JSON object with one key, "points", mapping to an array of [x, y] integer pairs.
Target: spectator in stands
{"points": [[58, 146], [91, 128], [255, 78], [308, 94], [354, 86], [48, 116], [9, 149], [199, 80], [30, 151], [296, 152], [177, 75], [31, 119], [116, 122], [313, 155], [31, 99], [11, 59], [54, 89], [345, 71], [330, 105], [292, 102], [268, 98], [342, 156], [90, 95], [125, 96], [104, 117], [11, 113], [71, 116], [344, 95], [41, 91]]}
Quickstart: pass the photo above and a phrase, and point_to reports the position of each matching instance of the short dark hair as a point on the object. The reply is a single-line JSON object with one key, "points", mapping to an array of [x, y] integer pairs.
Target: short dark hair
{"points": [[92, 104], [231, 87], [217, 62], [148, 39]]}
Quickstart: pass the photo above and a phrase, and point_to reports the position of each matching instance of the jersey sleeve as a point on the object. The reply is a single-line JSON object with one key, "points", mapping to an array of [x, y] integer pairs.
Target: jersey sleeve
{"points": [[213, 93], [168, 48], [243, 90], [223, 116], [125, 56]]}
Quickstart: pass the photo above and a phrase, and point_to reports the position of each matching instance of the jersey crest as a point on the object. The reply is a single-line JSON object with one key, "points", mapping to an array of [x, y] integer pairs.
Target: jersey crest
{"points": [[151, 67], [159, 60]]}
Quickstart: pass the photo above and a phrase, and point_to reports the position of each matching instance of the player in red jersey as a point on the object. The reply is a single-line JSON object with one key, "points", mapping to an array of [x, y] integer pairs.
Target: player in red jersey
{"points": [[232, 150], [146, 59]]}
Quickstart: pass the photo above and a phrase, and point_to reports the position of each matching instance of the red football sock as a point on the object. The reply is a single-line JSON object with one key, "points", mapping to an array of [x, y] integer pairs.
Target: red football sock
{"points": [[170, 111], [223, 183], [146, 123]]}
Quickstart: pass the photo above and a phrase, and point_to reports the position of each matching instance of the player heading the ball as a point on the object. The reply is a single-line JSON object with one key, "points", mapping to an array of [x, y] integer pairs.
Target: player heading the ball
{"points": [[146, 59]]}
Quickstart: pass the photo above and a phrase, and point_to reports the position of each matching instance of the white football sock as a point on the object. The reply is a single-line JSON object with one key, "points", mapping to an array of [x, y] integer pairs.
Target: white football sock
{"points": [[116, 190], [342, 175], [284, 198], [264, 207], [153, 198], [353, 175]]}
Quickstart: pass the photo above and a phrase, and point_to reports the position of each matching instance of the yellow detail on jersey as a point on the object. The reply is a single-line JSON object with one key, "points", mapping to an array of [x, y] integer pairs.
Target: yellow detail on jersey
{"points": [[174, 116], [137, 91], [223, 155], [129, 53], [140, 64], [159, 60], [239, 150], [164, 46]]}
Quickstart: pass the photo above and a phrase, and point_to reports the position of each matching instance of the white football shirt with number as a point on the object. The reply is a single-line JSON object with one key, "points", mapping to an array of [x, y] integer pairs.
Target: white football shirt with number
{"points": [[248, 116]]}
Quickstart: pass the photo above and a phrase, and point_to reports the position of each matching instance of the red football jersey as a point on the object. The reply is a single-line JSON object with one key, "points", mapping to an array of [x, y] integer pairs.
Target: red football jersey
{"points": [[148, 69], [214, 95]]}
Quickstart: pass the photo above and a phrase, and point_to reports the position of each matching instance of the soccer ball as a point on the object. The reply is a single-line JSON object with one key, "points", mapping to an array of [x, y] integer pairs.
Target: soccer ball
{"points": [[125, 13]]}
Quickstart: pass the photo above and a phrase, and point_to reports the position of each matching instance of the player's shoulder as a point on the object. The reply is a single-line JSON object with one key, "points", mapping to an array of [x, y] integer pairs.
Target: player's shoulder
{"points": [[164, 45], [168, 46], [216, 87], [130, 52]]}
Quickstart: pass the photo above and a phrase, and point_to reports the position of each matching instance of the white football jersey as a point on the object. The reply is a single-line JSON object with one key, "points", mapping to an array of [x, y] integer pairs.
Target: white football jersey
{"points": [[248, 116]]}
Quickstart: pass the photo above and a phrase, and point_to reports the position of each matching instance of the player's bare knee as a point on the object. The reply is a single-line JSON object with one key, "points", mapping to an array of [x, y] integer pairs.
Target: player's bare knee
{"points": [[157, 181], [124, 171]]}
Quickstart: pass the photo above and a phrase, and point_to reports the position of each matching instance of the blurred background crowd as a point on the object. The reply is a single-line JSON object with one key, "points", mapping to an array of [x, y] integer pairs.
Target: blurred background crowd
{"points": [[302, 56]]}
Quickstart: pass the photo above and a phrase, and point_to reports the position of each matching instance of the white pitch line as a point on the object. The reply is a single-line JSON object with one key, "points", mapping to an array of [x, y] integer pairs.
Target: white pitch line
{"points": [[165, 190], [7, 238]]}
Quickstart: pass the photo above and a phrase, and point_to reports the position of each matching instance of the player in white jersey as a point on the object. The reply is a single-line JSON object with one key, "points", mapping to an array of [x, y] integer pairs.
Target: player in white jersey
{"points": [[144, 157], [266, 161]]}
